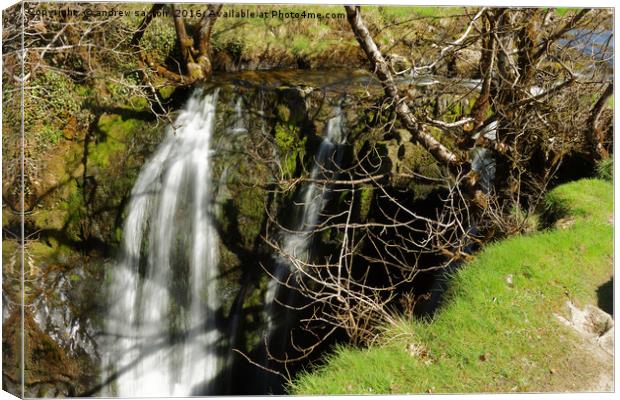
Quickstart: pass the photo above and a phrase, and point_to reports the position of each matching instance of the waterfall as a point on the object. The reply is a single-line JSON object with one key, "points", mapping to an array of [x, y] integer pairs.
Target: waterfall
{"points": [[161, 320], [239, 127], [315, 194], [312, 200]]}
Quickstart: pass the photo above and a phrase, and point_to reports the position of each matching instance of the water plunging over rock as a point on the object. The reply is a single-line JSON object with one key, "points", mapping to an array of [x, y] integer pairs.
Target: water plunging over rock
{"points": [[161, 323], [296, 243]]}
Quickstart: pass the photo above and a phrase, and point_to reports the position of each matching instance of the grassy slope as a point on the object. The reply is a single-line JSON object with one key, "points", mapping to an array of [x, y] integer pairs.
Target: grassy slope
{"points": [[493, 336]]}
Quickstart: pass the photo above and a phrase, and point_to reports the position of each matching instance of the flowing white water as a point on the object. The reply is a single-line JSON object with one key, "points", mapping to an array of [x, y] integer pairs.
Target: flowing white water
{"points": [[163, 293], [239, 127], [312, 201]]}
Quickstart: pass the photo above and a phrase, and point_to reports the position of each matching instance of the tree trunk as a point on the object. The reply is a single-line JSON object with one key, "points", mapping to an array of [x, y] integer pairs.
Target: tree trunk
{"points": [[137, 36], [487, 58], [380, 67], [185, 42], [196, 51], [595, 133], [203, 34]]}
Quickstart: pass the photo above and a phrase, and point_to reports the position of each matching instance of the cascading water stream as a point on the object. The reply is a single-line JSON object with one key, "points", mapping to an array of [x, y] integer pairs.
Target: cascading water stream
{"points": [[312, 200], [239, 126], [162, 318]]}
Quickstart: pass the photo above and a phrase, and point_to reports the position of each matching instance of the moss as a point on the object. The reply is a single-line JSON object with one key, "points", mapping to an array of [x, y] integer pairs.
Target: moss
{"points": [[112, 131], [100, 153], [283, 112], [166, 91], [118, 234], [291, 147], [44, 252], [138, 103], [365, 201], [75, 209], [285, 137], [386, 154], [251, 212], [50, 218], [255, 300]]}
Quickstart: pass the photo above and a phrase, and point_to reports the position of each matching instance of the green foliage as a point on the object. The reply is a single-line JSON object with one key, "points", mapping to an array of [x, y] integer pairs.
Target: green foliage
{"points": [[291, 147], [496, 332], [401, 13], [50, 134], [300, 45], [235, 48], [159, 39], [54, 101], [58, 91], [605, 169], [120, 95]]}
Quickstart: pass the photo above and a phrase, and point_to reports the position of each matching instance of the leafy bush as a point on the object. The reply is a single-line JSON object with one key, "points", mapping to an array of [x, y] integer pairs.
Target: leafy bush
{"points": [[159, 39]]}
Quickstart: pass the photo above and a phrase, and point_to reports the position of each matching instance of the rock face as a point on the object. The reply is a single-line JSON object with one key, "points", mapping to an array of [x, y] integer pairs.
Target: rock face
{"points": [[596, 329], [49, 372], [593, 324], [466, 63]]}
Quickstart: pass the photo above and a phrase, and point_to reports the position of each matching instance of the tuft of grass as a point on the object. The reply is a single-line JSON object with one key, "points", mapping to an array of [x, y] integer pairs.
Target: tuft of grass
{"points": [[497, 332], [605, 169]]}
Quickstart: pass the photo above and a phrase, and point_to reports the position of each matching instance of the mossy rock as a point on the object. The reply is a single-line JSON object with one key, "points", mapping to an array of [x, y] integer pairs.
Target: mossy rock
{"points": [[366, 195], [290, 146], [295, 104], [111, 133], [50, 219], [45, 361]]}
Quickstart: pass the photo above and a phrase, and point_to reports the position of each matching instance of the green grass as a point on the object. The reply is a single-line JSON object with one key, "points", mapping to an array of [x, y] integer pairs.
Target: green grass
{"points": [[318, 40], [493, 336], [562, 11], [605, 169], [406, 12]]}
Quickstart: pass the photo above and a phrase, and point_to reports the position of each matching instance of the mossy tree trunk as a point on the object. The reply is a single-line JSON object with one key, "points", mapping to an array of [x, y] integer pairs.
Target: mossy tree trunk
{"points": [[195, 50]]}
